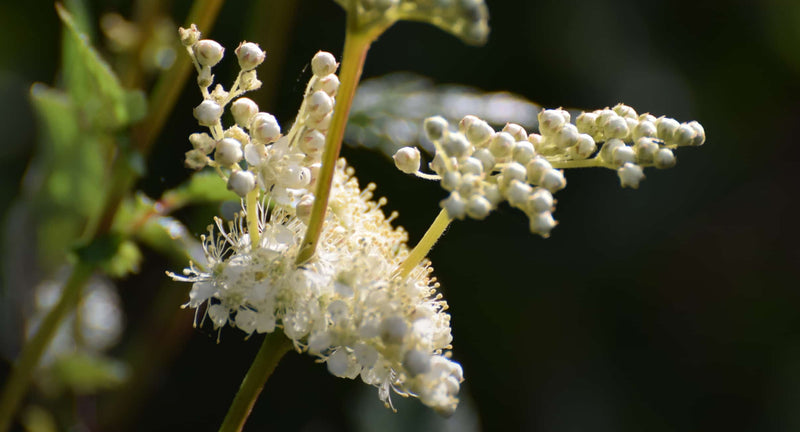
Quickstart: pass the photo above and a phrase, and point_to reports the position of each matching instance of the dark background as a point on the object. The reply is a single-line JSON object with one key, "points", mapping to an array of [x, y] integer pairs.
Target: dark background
{"points": [[670, 308]]}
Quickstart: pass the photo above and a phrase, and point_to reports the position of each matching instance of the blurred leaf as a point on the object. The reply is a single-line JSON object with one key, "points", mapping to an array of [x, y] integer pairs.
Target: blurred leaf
{"points": [[388, 112], [202, 187], [87, 373], [90, 81], [38, 419], [65, 178], [126, 260], [466, 19]]}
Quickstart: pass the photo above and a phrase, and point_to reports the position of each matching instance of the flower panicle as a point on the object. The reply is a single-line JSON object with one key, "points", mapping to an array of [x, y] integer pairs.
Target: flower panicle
{"points": [[482, 168]]}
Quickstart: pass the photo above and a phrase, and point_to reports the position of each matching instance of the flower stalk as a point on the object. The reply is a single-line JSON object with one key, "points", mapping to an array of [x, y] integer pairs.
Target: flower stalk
{"points": [[273, 348], [356, 45], [424, 246]]}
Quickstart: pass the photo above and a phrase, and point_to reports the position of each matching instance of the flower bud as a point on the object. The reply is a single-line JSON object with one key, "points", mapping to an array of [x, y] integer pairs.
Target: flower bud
{"points": [[607, 151], [265, 128], [393, 330], [516, 131], [479, 132], [478, 207], [542, 224], [407, 160], [643, 129], [304, 206], [467, 121], [243, 110], [208, 52], [319, 104], [584, 148], [455, 206], [700, 133], [623, 110], [195, 159], [518, 193], [536, 168], [456, 145], [329, 84], [469, 165], [553, 180], [250, 55], [523, 152], [417, 362], [537, 141], [646, 149], [249, 81], [202, 142], [567, 136], [229, 152], [664, 159], [684, 135], [586, 123], [312, 142], [435, 127], [189, 36], [616, 127], [501, 145], [630, 175], [541, 200], [486, 158], [666, 128], [513, 171], [451, 180], [550, 121], [623, 154], [241, 182], [208, 113], [323, 64]]}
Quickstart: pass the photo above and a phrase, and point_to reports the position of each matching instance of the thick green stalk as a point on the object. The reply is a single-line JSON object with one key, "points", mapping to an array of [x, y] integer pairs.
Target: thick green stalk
{"points": [[272, 350], [356, 46], [27, 362], [424, 246]]}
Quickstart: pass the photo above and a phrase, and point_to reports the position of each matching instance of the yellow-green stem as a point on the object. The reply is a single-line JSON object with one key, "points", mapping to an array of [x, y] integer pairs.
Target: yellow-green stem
{"points": [[581, 163], [356, 45], [27, 362], [272, 350], [252, 217], [424, 246]]}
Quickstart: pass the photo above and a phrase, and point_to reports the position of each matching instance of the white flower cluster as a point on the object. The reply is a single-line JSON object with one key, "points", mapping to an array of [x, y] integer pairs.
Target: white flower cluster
{"points": [[348, 306], [482, 168], [285, 165]]}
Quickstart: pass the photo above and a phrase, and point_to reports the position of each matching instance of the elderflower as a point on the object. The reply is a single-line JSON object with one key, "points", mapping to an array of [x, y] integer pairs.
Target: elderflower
{"points": [[349, 306]]}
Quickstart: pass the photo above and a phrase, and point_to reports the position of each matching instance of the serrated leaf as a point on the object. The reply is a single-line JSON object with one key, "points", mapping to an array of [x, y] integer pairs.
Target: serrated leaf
{"points": [[89, 79], [86, 373]]}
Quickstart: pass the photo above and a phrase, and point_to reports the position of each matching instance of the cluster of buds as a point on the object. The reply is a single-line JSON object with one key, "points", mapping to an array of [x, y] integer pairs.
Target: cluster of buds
{"points": [[482, 168], [285, 165]]}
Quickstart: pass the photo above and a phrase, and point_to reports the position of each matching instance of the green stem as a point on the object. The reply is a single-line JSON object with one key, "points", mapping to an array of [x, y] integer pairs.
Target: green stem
{"points": [[251, 202], [582, 163], [424, 246], [272, 350], [26, 363], [356, 46]]}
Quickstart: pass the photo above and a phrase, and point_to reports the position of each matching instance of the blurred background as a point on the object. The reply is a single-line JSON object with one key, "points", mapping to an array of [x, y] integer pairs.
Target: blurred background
{"points": [[669, 308]]}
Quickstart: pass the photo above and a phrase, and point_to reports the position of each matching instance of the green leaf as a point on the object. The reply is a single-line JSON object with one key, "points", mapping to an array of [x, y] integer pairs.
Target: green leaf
{"points": [[86, 373], [89, 79], [465, 19], [204, 187]]}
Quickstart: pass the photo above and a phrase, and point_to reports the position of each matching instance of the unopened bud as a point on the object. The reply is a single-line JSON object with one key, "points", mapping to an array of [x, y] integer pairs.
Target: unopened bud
{"points": [[208, 52], [250, 55], [407, 160], [241, 182]]}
